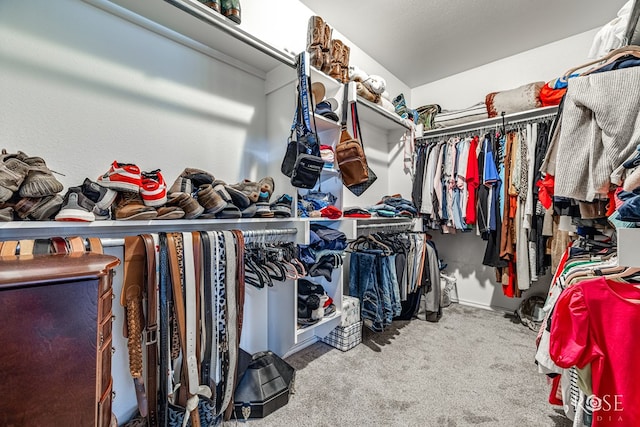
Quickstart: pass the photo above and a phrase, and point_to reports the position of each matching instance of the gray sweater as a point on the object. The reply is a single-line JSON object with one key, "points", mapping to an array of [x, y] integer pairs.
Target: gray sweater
{"points": [[600, 130]]}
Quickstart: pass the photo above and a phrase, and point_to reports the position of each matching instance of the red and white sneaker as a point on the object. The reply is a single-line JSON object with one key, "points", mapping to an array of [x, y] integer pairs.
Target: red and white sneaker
{"points": [[153, 189], [122, 177]]}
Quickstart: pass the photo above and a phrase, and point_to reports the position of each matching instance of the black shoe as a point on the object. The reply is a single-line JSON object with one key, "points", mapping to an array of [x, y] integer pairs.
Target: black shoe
{"points": [[76, 207], [101, 196]]}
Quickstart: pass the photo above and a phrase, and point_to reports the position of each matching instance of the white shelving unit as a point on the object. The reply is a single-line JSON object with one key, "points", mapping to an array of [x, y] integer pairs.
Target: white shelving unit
{"points": [[192, 24]]}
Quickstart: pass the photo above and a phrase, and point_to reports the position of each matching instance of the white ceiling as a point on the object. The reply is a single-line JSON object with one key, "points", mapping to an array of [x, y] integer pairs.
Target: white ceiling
{"points": [[420, 41]]}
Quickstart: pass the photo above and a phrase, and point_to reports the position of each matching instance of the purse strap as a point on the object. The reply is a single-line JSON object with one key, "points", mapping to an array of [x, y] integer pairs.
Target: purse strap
{"points": [[345, 106], [301, 124], [357, 133]]}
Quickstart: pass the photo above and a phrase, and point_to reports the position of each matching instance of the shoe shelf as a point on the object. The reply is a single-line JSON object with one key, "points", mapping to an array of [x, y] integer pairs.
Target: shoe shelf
{"points": [[193, 24], [17, 230], [304, 333], [379, 117]]}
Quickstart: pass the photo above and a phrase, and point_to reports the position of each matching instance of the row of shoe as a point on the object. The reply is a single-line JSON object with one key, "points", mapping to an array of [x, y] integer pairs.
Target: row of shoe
{"points": [[29, 191], [228, 8]]}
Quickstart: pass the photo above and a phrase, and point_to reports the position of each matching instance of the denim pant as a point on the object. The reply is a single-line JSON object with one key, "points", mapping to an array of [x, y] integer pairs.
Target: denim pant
{"points": [[390, 277], [373, 280]]}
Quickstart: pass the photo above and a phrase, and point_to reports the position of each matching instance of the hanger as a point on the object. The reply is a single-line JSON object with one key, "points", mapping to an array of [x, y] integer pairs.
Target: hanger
{"points": [[608, 58], [626, 273]]}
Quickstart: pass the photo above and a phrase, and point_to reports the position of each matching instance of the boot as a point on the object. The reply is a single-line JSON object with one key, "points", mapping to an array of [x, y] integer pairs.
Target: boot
{"points": [[326, 40], [316, 57], [344, 63], [231, 9], [315, 33], [335, 70], [326, 61], [213, 4]]}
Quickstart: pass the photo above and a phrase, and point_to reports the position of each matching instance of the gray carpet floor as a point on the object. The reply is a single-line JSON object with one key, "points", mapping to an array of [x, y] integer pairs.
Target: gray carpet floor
{"points": [[473, 368]]}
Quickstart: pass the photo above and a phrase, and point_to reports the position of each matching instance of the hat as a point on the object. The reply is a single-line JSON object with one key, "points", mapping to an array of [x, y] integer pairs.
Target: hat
{"points": [[327, 109], [317, 92]]}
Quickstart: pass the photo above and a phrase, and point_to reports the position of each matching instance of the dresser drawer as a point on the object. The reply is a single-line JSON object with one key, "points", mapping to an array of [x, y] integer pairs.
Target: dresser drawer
{"points": [[104, 407], [104, 305], [104, 362]]}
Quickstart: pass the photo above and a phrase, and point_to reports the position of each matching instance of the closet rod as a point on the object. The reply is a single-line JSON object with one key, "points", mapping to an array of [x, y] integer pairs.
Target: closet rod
{"points": [[108, 242], [406, 224], [537, 114]]}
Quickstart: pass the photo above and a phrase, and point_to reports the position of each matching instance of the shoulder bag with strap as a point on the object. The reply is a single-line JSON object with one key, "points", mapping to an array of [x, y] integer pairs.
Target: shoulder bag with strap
{"points": [[305, 170], [360, 188], [349, 152]]}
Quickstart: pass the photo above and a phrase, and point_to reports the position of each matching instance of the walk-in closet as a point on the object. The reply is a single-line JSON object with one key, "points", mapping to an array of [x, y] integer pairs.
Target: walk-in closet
{"points": [[319, 213]]}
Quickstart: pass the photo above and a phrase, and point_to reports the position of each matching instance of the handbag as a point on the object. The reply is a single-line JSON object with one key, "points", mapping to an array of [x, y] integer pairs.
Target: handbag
{"points": [[361, 187], [302, 161], [350, 154]]}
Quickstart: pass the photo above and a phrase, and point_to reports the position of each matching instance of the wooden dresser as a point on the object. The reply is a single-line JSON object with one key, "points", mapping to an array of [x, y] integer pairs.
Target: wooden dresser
{"points": [[55, 340]]}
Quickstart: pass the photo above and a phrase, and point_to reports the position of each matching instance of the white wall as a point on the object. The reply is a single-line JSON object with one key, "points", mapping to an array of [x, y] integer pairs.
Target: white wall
{"points": [[540, 64], [283, 24]]}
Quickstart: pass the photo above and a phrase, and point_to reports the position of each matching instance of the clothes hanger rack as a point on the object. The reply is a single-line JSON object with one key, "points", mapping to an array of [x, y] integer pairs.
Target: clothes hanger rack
{"points": [[263, 235], [489, 125]]}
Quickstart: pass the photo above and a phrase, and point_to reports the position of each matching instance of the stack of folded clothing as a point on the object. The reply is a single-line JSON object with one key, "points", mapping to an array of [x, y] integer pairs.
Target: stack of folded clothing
{"points": [[446, 118], [356, 212], [394, 206], [324, 251]]}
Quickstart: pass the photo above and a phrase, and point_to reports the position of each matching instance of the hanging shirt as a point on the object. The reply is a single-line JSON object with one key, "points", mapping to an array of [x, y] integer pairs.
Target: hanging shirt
{"points": [[596, 322], [472, 181], [492, 180]]}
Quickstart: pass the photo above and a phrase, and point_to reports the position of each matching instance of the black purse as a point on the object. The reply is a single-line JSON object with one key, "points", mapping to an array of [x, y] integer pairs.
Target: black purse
{"points": [[302, 161]]}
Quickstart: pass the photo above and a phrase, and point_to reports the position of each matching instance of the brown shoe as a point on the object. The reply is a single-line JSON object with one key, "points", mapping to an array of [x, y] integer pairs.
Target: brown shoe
{"points": [[40, 181], [129, 206], [13, 171], [170, 212], [187, 203], [6, 214], [250, 188], [210, 200]]}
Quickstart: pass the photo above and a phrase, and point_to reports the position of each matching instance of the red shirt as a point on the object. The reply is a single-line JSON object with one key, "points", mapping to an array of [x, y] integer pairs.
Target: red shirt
{"points": [[598, 321], [473, 180]]}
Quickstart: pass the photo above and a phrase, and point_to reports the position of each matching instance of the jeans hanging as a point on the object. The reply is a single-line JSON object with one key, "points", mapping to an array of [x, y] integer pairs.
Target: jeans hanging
{"points": [[373, 280]]}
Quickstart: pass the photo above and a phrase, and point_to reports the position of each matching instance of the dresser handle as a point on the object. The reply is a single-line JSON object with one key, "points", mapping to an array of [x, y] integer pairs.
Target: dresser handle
{"points": [[101, 339], [113, 317], [113, 350]]}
